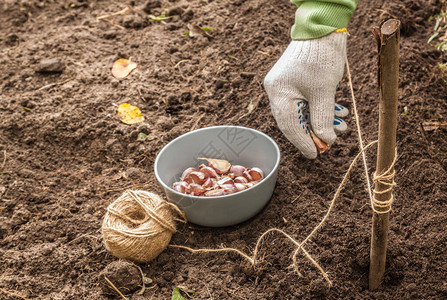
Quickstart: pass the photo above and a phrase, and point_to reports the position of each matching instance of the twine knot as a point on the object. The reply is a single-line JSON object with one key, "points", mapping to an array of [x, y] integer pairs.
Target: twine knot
{"points": [[385, 179]]}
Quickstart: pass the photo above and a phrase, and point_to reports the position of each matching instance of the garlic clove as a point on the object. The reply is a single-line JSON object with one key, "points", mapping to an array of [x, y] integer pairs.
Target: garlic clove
{"points": [[197, 189], [209, 182], [186, 173], [229, 188], [225, 180], [247, 175], [256, 173], [240, 186], [217, 179], [196, 177], [237, 170], [240, 179], [214, 193], [221, 166], [319, 143], [209, 172], [230, 175], [181, 187], [250, 184]]}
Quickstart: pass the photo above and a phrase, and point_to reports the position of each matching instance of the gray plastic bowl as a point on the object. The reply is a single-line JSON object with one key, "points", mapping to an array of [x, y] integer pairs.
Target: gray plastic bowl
{"points": [[239, 145]]}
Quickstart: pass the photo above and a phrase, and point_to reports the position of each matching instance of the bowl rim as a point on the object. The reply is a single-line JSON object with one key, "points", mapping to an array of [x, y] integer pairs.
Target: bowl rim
{"points": [[275, 167]]}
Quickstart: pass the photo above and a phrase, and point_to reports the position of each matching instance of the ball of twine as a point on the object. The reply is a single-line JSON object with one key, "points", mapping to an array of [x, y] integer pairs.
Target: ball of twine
{"points": [[139, 225]]}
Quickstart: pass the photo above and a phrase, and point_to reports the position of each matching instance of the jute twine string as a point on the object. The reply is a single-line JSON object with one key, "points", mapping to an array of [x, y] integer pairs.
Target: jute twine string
{"points": [[359, 130], [139, 225], [252, 260], [385, 178]]}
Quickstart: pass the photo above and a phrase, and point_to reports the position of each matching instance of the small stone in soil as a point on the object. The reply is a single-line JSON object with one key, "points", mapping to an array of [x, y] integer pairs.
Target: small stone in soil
{"points": [[20, 216], [3, 231], [134, 21], [172, 99], [173, 50], [171, 26], [165, 123], [111, 142], [11, 39], [108, 35], [219, 84], [163, 258], [50, 65], [124, 275], [247, 74], [31, 104], [2, 190], [268, 42], [168, 275], [134, 172], [212, 103], [150, 5], [236, 82], [319, 287], [144, 128], [176, 10], [186, 96], [187, 15]]}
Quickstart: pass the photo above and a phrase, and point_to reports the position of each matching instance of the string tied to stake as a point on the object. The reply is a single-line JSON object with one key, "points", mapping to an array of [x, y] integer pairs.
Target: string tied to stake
{"points": [[386, 179]]}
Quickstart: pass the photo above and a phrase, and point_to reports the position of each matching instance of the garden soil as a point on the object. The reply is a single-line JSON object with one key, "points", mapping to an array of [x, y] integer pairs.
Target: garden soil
{"points": [[65, 155]]}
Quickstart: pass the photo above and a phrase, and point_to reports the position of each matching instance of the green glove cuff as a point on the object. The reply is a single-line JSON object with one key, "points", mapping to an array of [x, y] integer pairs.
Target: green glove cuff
{"points": [[314, 19]]}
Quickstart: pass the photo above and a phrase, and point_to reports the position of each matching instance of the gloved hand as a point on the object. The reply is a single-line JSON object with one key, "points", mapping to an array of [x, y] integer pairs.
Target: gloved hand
{"points": [[301, 87]]}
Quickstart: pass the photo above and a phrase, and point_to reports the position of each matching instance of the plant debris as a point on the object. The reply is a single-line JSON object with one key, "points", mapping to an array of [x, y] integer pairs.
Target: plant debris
{"points": [[178, 290], [129, 114], [431, 126], [195, 31], [122, 68]]}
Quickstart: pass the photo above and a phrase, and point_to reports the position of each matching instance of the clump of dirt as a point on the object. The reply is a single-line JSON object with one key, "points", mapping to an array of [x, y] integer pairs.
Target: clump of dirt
{"points": [[65, 156], [123, 275]]}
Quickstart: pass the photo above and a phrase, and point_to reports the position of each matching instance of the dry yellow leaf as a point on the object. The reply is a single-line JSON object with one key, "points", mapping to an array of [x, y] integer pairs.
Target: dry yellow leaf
{"points": [[122, 67], [129, 114]]}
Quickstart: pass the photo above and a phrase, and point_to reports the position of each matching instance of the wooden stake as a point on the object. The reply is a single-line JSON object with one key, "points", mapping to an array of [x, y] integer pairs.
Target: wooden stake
{"points": [[388, 44]]}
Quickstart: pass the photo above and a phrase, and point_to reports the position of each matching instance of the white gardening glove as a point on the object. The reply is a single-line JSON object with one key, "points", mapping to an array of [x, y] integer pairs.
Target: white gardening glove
{"points": [[301, 87]]}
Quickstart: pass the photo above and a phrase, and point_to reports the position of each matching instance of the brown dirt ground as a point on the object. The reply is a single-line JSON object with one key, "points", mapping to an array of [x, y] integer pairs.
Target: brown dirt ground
{"points": [[64, 155]]}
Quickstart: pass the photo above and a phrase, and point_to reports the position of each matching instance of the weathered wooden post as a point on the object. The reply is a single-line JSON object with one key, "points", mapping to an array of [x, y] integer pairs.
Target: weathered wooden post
{"points": [[388, 43]]}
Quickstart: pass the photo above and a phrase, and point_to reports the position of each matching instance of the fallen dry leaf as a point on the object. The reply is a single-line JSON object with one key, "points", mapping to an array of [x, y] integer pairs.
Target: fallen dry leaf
{"points": [[129, 114], [122, 68]]}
